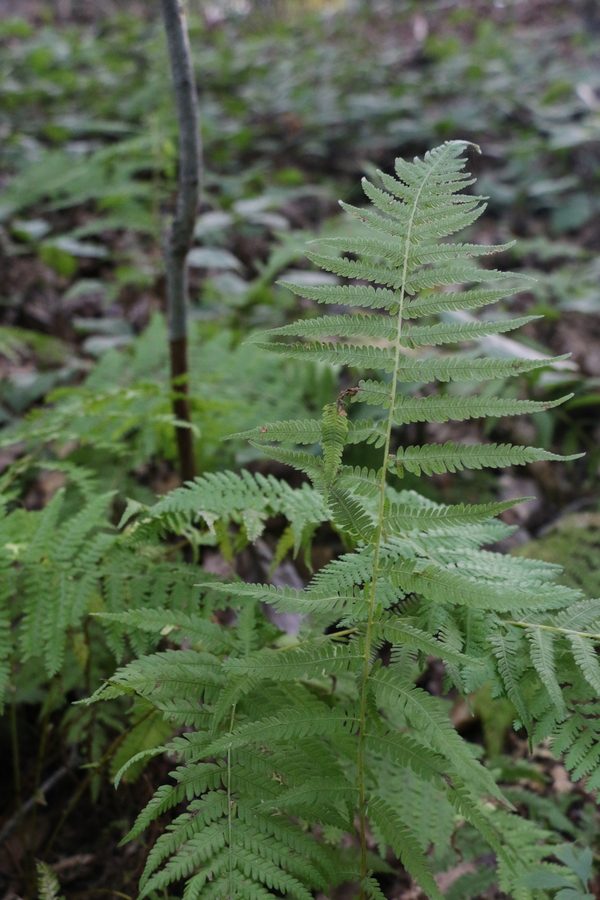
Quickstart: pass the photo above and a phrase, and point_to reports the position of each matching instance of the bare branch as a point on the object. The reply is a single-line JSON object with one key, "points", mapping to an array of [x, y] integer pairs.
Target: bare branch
{"points": [[182, 228]]}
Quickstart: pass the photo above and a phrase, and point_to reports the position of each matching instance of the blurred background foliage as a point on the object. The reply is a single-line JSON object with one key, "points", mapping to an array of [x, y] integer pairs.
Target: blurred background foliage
{"points": [[299, 98]]}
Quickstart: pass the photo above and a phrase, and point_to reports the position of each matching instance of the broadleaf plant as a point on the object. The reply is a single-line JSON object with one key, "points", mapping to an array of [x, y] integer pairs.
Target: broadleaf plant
{"points": [[291, 745]]}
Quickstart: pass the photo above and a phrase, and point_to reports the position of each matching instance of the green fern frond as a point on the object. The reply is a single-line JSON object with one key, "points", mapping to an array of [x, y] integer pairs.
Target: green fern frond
{"points": [[543, 658], [47, 882], [289, 726], [401, 517], [334, 431], [293, 742], [427, 716], [190, 782], [398, 836], [586, 657], [430, 304], [445, 408], [510, 657], [379, 328], [345, 295], [324, 660], [417, 372], [176, 625], [350, 515], [289, 599], [447, 585], [577, 740], [373, 891], [436, 459], [404, 634]]}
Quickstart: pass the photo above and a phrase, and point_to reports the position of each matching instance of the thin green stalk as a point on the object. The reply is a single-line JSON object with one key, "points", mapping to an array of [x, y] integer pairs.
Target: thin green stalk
{"points": [[230, 809], [379, 534], [556, 629]]}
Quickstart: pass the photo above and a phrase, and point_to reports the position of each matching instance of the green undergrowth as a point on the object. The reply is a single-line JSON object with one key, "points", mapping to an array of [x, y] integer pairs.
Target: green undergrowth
{"points": [[102, 573], [299, 747]]}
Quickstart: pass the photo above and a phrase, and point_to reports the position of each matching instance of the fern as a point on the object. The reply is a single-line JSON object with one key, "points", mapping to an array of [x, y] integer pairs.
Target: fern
{"points": [[47, 883], [308, 731]]}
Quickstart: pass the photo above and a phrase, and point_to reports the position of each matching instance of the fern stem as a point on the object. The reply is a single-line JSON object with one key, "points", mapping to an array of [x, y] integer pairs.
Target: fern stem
{"points": [[229, 809], [379, 534], [593, 636]]}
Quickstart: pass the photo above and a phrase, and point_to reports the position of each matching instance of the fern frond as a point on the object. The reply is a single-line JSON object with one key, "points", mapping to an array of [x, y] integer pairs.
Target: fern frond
{"points": [[300, 460], [407, 752], [510, 657], [323, 660], [586, 657], [403, 634], [430, 304], [435, 459], [47, 883], [401, 517], [577, 740], [288, 599], [333, 440], [182, 626], [200, 813], [404, 844], [459, 332], [428, 717], [379, 328], [191, 781], [303, 431], [372, 888], [292, 742], [542, 656], [446, 584], [446, 408], [417, 372], [345, 295], [351, 516], [186, 674]]}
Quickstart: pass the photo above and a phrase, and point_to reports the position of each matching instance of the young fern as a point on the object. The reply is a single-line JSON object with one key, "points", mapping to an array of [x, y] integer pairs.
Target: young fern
{"points": [[310, 732], [421, 206]]}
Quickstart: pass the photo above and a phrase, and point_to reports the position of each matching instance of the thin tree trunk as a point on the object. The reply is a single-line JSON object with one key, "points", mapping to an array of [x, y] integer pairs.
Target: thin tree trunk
{"points": [[182, 228]]}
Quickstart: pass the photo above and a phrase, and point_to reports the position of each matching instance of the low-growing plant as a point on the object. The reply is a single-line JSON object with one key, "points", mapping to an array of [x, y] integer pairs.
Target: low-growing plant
{"points": [[122, 410], [285, 747]]}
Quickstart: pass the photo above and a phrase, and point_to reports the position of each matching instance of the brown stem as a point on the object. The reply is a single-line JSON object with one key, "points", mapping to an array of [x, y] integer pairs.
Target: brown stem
{"points": [[181, 408], [181, 233], [30, 804]]}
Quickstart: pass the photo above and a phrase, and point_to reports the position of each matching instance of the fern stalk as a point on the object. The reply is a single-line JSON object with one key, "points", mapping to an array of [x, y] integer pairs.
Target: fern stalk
{"points": [[230, 810], [555, 629], [377, 548]]}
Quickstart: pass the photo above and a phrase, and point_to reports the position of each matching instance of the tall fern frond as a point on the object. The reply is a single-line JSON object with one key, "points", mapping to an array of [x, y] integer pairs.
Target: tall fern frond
{"points": [[302, 730]]}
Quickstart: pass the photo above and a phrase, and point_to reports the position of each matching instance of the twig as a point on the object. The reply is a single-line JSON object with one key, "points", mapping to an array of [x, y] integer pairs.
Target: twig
{"points": [[83, 785], [182, 228], [43, 789]]}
